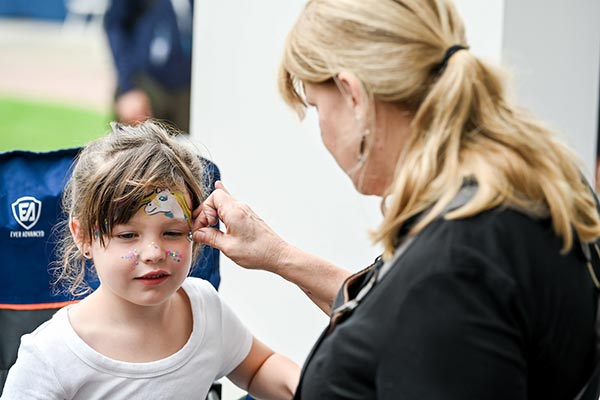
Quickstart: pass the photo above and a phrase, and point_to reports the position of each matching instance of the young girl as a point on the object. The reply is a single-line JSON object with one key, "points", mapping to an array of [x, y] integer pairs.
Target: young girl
{"points": [[148, 331]]}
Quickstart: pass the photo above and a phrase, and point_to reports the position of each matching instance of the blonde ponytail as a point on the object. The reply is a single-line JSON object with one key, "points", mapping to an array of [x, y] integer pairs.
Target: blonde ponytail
{"points": [[466, 129]]}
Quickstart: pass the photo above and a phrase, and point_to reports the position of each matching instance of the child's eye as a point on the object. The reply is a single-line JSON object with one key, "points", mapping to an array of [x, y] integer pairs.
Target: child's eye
{"points": [[127, 235], [174, 234]]}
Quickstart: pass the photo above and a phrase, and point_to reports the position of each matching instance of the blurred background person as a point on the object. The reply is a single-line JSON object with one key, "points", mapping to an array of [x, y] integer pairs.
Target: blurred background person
{"points": [[151, 44], [56, 86]]}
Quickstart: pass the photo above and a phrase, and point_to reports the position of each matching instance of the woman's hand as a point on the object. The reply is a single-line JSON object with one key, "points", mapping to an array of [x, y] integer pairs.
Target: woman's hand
{"points": [[251, 243], [247, 239]]}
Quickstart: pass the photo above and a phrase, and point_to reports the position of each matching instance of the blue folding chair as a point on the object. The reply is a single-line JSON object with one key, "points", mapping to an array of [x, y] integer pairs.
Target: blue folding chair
{"points": [[31, 186]]}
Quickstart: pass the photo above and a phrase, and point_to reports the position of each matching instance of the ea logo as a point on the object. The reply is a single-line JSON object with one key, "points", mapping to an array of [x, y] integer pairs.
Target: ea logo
{"points": [[27, 210]]}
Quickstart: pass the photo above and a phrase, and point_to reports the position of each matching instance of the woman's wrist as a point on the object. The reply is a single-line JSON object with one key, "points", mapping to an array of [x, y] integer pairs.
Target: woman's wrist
{"points": [[317, 277]]}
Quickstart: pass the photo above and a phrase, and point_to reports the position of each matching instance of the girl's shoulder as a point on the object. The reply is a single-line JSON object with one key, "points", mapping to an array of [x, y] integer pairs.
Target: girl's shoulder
{"points": [[201, 293], [48, 342], [193, 285], [49, 332]]}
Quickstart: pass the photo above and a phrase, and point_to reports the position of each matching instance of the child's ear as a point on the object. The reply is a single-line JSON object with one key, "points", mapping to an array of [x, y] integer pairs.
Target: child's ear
{"points": [[75, 228], [77, 233]]}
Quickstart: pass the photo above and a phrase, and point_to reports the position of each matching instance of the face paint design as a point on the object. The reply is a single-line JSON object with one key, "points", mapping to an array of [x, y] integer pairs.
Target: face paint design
{"points": [[153, 245], [175, 254], [170, 203], [132, 255]]}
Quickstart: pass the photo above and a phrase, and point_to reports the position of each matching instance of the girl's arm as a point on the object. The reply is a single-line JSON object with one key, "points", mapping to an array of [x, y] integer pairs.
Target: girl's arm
{"points": [[266, 374]]}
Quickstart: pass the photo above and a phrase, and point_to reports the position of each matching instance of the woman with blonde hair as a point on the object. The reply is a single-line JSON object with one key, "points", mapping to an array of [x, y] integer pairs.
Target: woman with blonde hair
{"points": [[486, 288]]}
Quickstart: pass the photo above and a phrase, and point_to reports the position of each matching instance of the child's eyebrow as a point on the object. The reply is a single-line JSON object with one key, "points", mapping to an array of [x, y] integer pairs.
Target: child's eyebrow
{"points": [[178, 221]]}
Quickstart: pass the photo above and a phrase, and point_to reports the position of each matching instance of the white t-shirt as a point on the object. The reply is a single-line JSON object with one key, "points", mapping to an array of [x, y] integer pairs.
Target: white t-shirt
{"points": [[54, 363]]}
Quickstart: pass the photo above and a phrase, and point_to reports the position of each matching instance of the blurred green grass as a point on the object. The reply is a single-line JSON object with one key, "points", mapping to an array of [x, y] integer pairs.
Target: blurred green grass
{"points": [[27, 124]]}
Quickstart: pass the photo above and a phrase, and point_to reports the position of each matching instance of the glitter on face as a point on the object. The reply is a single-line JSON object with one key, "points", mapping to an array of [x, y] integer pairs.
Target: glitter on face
{"points": [[153, 245], [176, 255], [132, 255]]}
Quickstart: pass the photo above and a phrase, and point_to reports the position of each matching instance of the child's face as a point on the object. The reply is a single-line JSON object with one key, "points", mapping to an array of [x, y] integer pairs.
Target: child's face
{"points": [[147, 259]]}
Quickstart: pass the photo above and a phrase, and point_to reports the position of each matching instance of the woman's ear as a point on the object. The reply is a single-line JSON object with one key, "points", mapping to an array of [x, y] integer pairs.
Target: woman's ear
{"points": [[353, 89]]}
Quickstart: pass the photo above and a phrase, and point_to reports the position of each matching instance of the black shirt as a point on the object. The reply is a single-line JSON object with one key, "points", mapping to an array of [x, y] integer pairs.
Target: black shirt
{"points": [[479, 308]]}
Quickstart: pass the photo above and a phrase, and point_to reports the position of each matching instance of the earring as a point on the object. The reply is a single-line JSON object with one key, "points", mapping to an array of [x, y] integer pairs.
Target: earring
{"points": [[87, 254], [363, 145]]}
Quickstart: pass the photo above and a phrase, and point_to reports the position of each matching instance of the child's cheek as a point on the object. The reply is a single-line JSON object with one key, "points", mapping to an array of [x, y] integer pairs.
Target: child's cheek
{"points": [[175, 255], [133, 257]]}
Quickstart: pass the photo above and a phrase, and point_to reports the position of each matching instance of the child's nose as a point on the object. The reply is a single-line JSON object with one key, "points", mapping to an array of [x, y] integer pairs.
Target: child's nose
{"points": [[153, 253]]}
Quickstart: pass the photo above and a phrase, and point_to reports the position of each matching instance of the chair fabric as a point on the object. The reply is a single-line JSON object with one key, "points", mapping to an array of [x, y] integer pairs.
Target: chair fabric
{"points": [[31, 186]]}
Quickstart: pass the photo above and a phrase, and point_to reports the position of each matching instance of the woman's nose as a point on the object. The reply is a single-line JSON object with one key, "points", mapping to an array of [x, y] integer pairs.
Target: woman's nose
{"points": [[152, 253]]}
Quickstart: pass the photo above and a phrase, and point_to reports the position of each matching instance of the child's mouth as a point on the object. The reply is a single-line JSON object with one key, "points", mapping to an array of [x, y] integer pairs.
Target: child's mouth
{"points": [[153, 278]]}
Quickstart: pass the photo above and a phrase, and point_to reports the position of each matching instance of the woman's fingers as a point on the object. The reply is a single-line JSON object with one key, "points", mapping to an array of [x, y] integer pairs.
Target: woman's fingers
{"points": [[209, 236], [220, 185], [246, 239], [211, 210]]}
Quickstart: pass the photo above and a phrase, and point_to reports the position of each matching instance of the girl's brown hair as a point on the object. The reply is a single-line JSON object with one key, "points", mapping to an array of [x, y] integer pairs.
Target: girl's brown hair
{"points": [[110, 179]]}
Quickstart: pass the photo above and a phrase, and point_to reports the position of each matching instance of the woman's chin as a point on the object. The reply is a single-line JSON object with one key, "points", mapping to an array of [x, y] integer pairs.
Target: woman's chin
{"points": [[367, 187]]}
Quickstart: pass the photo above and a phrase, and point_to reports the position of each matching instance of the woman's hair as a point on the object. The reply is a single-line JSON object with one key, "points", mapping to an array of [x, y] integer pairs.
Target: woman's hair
{"points": [[464, 126], [111, 178]]}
